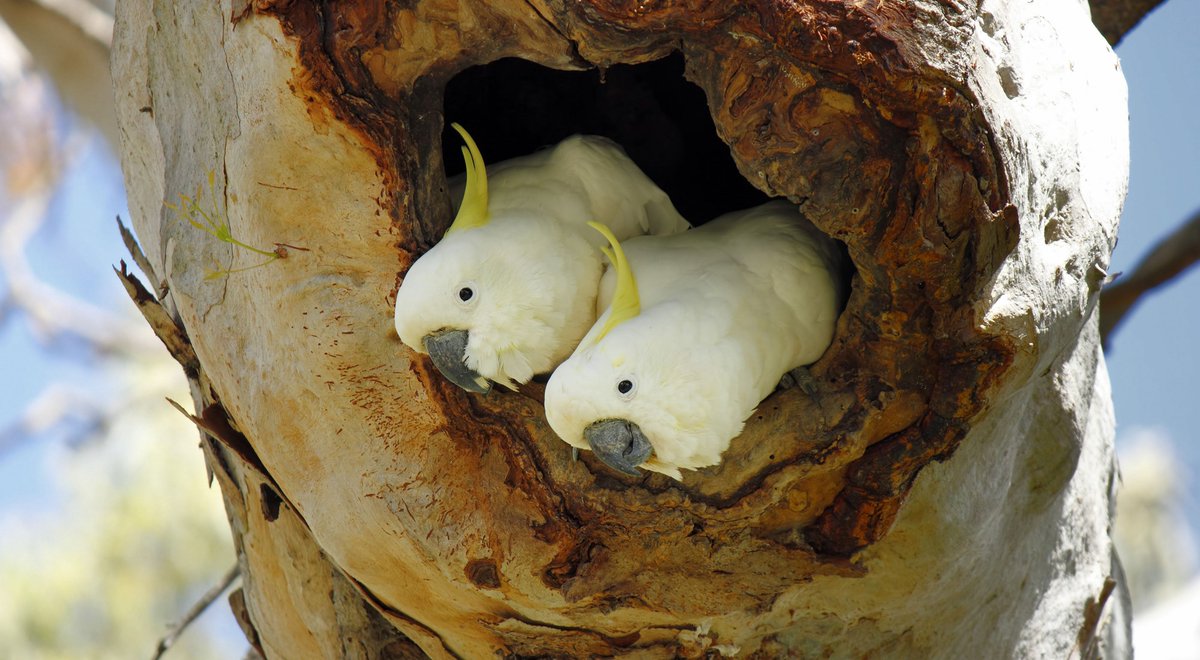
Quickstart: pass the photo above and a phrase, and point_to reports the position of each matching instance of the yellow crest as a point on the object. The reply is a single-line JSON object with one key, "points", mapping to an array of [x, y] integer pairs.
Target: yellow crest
{"points": [[625, 303], [473, 212]]}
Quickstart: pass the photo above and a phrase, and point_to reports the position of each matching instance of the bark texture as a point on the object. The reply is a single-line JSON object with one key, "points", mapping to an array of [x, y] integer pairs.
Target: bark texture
{"points": [[947, 486]]}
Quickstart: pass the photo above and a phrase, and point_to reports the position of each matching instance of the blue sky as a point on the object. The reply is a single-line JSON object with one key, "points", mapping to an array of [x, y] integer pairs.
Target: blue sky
{"points": [[1154, 359], [73, 251]]}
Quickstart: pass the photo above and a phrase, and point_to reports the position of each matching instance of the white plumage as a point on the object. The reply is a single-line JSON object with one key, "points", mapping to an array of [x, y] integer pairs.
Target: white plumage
{"points": [[531, 264], [725, 311]]}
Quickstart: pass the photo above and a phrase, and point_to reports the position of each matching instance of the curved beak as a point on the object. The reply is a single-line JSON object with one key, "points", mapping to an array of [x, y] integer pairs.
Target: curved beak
{"points": [[619, 443], [448, 350]]}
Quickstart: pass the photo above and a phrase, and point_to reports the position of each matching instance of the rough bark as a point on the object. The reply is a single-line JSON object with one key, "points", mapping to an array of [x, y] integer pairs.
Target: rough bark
{"points": [[945, 489]]}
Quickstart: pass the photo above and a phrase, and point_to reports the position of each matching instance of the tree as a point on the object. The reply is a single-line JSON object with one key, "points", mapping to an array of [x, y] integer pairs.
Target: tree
{"points": [[947, 487]]}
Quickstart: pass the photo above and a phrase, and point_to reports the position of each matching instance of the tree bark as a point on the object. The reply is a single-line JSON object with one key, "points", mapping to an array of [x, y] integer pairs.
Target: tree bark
{"points": [[947, 487], [1115, 18]]}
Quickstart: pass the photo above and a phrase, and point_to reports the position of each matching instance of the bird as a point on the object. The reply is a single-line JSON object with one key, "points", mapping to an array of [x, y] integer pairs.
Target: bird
{"points": [[510, 288], [697, 329]]}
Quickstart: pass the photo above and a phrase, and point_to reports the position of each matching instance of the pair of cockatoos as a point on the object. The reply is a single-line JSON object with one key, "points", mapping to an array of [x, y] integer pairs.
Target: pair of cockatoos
{"points": [[669, 351], [511, 288]]}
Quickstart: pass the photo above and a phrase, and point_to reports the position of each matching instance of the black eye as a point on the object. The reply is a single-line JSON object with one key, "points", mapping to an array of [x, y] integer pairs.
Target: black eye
{"points": [[624, 386], [465, 293]]}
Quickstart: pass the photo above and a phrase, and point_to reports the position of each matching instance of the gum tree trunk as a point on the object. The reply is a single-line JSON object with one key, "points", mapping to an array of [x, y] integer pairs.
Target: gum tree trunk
{"points": [[947, 488]]}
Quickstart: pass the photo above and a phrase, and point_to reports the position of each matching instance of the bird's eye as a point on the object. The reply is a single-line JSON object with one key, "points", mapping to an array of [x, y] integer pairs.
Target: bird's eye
{"points": [[626, 387], [465, 294]]}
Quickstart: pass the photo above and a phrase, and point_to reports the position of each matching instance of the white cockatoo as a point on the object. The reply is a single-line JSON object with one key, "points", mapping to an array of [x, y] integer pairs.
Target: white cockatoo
{"points": [[699, 328], [511, 288]]}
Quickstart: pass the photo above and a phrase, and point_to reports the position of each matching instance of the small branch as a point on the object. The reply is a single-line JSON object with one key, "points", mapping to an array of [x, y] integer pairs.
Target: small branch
{"points": [[70, 40], [73, 16], [54, 407], [196, 610], [1170, 257], [54, 313], [1115, 18]]}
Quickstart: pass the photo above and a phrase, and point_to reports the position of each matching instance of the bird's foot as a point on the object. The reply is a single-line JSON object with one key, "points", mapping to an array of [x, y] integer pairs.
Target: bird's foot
{"points": [[799, 377]]}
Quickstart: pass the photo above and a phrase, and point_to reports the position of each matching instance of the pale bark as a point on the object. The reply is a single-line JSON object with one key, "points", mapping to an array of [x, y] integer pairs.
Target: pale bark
{"points": [[945, 490], [69, 40]]}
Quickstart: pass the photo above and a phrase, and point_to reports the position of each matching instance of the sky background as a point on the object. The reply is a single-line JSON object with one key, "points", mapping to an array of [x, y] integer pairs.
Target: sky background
{"points": [[1153, 361], [75, 251]]}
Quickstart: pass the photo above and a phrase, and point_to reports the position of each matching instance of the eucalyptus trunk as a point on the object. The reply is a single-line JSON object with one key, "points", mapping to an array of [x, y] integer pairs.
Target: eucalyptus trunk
{"points": [[945, 488]]}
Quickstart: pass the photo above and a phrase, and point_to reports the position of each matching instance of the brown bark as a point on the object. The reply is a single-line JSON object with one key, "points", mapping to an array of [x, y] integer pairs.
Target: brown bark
{"points": [[806, 92], [1115, 18], [462, 519]]}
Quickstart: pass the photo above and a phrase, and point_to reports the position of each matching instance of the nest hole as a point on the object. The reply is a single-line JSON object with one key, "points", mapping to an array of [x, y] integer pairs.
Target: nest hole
{"points": [[514, 107]]}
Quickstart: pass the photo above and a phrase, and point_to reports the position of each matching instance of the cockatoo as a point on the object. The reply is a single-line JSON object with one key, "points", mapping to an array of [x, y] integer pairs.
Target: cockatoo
{"points": [[699, 328], [511, 287]]}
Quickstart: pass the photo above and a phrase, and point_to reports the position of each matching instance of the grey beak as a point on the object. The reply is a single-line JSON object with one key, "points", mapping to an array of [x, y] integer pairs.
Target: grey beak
{"points": [[448, 350], [619, 443]]}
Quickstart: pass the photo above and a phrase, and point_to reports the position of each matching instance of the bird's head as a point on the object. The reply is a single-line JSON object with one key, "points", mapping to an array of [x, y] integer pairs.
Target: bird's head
{"points": [[634, 394], [483, 303]]}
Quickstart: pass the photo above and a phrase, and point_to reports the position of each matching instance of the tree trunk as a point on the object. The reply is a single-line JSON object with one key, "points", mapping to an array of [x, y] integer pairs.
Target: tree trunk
{"points": [[947, 487]]}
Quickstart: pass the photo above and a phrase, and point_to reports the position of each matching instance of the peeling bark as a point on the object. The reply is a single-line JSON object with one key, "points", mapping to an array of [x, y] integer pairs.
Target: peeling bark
{"points": [[960, 413]]}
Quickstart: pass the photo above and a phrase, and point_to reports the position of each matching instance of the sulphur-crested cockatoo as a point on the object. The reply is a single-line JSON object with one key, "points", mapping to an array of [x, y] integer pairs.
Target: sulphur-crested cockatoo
{"points": [[511, 287], [699, 328]]}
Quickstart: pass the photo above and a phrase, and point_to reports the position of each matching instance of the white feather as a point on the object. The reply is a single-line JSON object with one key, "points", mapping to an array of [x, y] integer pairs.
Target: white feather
{"points": [[726, 310], [535, 266]]}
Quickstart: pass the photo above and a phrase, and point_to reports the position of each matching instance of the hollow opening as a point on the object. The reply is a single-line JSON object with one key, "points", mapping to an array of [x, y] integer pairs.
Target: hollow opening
{"points": [[513, 107]]}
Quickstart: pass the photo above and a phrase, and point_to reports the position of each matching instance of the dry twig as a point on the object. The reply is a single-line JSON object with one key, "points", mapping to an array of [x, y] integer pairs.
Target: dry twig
{"points": [[1171, 256], [196, 610]]}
